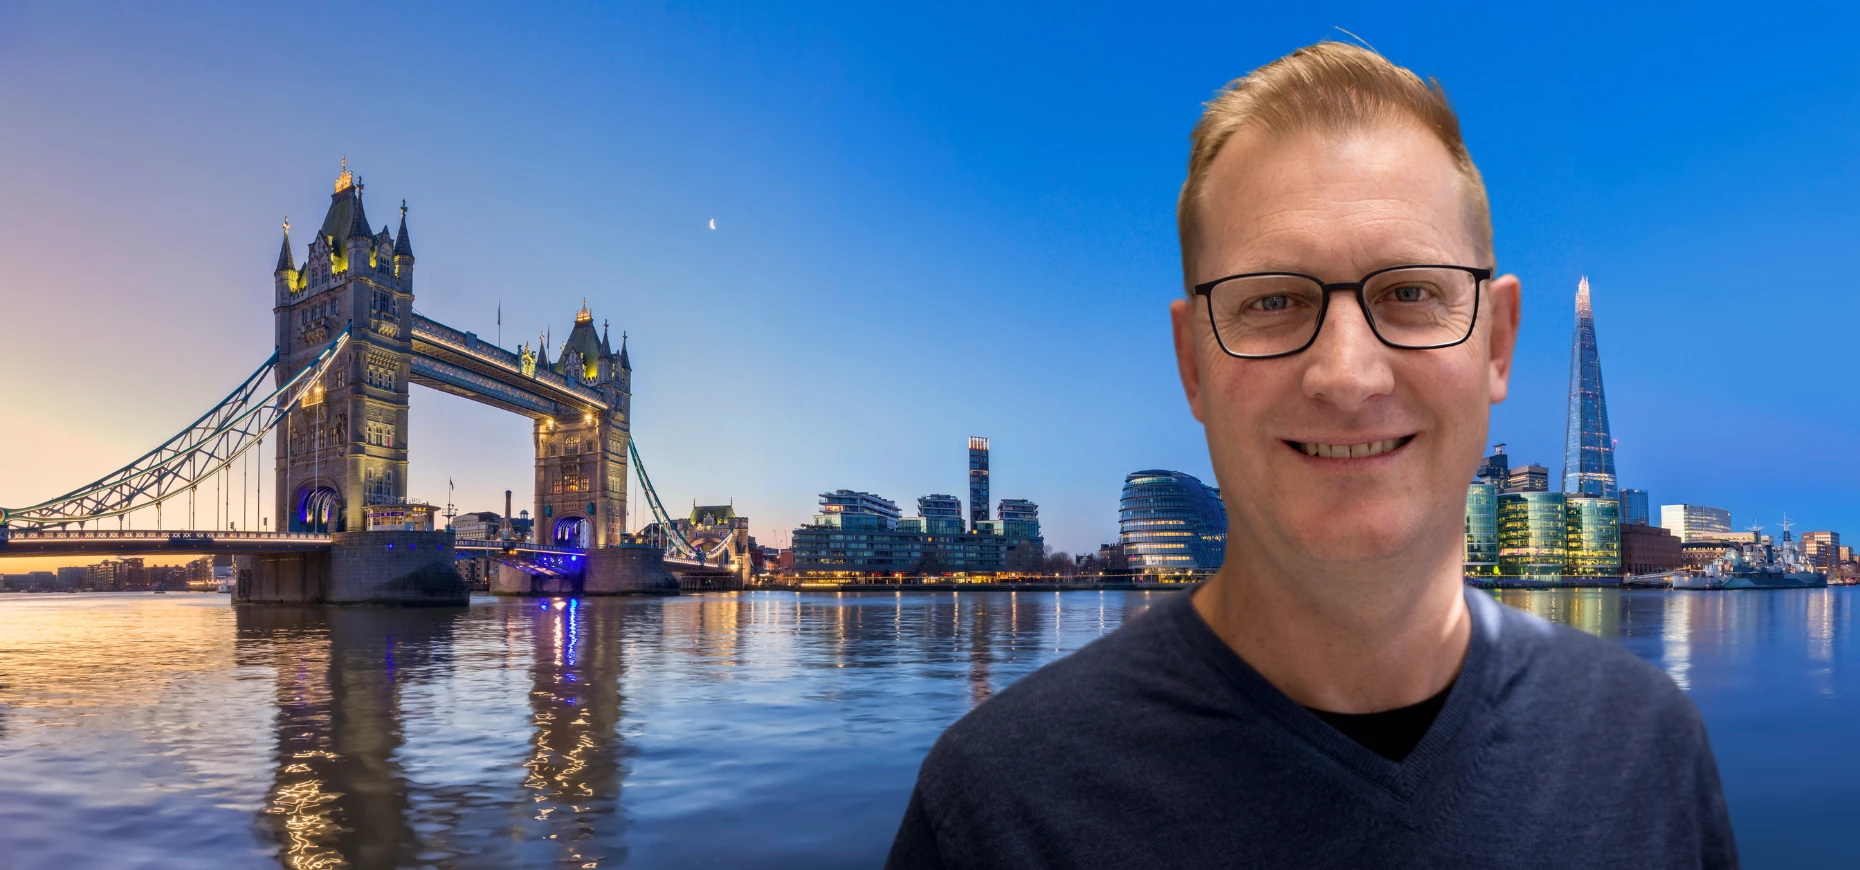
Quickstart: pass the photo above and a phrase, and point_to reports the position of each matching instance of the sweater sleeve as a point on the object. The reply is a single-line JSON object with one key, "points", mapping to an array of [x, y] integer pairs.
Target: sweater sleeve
{"points": [[915, 846]]}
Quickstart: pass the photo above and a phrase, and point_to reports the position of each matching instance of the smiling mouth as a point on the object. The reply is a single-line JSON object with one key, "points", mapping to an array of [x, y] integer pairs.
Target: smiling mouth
{"points": [[1350, 451]]}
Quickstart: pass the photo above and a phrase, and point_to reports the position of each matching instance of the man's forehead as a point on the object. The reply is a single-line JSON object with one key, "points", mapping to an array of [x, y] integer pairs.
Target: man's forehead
{"points": [[1356, 199]]}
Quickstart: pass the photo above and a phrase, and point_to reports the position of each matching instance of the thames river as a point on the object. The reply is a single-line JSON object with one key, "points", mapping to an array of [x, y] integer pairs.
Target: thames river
{"points": [[758, 729]]}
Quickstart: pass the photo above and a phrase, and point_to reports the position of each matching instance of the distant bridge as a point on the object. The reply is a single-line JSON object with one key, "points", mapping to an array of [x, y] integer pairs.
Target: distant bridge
{"points": [[348, 347]]}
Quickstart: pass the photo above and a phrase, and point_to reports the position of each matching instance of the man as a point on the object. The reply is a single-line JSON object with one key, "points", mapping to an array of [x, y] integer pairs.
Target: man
{"points": [[1334, 696]]}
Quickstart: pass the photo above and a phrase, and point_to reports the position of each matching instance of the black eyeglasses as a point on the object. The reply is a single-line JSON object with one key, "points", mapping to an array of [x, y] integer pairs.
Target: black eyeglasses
{"points": [[1260, 315]]}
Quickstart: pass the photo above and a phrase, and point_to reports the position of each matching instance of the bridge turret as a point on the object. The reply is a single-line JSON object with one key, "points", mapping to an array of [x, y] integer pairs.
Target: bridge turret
{"points": [[403, 249], [360, 241], [288, 280]]}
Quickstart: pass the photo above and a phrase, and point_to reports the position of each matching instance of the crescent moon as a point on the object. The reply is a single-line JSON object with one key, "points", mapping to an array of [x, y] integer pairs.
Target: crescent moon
{"points": [[713, 223]]}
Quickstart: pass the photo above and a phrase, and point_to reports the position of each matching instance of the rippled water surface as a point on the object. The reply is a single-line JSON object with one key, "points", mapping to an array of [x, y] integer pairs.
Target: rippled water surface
{"points": [[761, 729]]}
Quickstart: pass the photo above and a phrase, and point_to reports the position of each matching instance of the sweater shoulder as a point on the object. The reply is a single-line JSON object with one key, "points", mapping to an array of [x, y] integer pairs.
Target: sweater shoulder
{"points": [[1570, 666]]}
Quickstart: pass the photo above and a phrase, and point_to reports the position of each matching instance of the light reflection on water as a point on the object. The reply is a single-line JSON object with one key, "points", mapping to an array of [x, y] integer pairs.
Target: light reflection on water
{"points": [[767, 728]]}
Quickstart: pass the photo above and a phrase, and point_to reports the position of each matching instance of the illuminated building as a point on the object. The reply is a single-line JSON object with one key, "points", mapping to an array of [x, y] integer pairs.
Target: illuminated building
{"points": [[1482, 528], [1171, 523], [978, 480], [1821, 548], [1592, 547], [858, 533], [1634, 507], [1533, 532], [1497, 468], [1588, 451], [1692, 522], [1528, 478]]}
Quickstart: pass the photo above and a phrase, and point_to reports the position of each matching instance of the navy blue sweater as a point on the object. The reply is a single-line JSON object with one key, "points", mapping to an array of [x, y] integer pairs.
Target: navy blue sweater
{"points": [[1157, 746]]}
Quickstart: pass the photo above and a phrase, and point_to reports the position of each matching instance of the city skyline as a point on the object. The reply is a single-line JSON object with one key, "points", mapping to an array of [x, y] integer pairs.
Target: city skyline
{"points": [[1052, 274]]}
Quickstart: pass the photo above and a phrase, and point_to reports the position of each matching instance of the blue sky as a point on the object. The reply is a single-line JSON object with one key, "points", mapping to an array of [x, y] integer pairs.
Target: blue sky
{"points": [[932, 222]]}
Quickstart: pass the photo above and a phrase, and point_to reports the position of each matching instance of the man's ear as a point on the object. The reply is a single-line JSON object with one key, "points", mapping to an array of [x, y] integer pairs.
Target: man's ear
{"points": [[1506, 295], [1182, 320]]}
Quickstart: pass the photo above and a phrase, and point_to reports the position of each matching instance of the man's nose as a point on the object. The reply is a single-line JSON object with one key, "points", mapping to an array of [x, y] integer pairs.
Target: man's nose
{"points": [[1347, 366]]}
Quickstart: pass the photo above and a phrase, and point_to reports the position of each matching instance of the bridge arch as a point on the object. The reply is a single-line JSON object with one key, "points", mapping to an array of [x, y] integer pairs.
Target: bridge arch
{"points": [[318, 508], [573, 531]]}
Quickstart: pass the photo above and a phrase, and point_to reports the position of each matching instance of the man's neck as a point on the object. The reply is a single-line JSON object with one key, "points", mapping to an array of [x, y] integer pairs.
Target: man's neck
{"points": [[1358, 639]]}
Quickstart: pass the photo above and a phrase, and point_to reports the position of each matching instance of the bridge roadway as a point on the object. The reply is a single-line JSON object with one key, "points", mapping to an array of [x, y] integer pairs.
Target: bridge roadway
{"points": [[68, 542], [18, 542]]}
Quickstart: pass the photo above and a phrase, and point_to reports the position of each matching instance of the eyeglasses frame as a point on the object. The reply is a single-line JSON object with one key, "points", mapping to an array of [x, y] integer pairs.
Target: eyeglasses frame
{"points": [[1206, 290]]}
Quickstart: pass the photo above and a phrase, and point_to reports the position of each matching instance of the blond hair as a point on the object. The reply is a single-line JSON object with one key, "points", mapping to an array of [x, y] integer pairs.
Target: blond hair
{"points": [[1334, 88]]}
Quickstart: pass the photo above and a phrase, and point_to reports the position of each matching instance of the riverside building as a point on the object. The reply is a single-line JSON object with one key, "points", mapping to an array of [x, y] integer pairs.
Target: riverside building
{"points": [[1694, 522], [1482, 527], [1170, 523], [1589, 449], [859, 534], [1533, 535]]}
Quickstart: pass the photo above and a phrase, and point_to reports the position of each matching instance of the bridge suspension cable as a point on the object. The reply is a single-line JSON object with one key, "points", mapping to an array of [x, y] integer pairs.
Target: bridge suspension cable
{"points": [[206, 447], [679, 544]]}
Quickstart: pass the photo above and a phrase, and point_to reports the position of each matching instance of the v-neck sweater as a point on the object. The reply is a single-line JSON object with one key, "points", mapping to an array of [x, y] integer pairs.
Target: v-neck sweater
{"points": [[1158, 746]]}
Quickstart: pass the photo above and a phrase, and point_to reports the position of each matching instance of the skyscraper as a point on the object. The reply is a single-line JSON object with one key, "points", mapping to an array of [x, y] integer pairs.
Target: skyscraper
{"points": [[978, 480], [1588, 448]]}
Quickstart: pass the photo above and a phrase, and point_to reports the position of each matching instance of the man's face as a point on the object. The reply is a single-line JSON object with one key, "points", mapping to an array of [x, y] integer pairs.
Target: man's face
{"points": [[1339, 207]]}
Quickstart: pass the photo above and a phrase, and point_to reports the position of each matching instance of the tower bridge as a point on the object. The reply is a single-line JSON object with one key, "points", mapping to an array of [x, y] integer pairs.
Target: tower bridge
{"points": [[349, 347]]}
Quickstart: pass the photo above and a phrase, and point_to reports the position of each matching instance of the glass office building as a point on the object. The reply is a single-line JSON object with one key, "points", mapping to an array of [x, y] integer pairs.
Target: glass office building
{"points": [[1634, 507], [1171, 523], [1481, 529], [1695, 522], [1592, 544], [1533, 532], [1588, 450]]}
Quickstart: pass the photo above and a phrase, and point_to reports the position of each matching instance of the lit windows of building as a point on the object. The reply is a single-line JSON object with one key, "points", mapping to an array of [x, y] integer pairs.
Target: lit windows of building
{"points": [[1481, 529], [1589, 449], [1592, 547], [1171, 523], [1692, 522], [1533, 533], [978, 479], [1527, 478], [1821, 549], [1496, 469]]}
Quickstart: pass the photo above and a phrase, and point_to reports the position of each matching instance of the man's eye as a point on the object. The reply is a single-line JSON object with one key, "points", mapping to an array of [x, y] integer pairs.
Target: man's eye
{"points": [[1275, 302], [1409, 293]]}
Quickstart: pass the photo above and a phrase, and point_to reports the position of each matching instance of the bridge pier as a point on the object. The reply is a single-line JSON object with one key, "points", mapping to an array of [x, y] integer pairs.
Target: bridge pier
{"points": [[629, 569], [406, 568]]}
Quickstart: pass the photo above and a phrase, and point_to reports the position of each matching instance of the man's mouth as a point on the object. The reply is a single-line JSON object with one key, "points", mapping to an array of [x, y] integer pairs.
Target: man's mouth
{"points": [[1350, 451]]}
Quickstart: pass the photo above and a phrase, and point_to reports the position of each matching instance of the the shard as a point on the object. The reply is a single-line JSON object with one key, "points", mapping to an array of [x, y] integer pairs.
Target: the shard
{"points": [[1589, 450]]}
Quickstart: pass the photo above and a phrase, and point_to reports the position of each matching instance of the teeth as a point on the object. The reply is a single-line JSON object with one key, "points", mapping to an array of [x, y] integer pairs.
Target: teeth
{"points": [[1349, 451]]}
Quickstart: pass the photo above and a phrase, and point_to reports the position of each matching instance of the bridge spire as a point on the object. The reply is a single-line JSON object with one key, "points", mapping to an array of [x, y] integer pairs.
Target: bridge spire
{"points": [[358, 223], [624, 364], [285, 261], [403, 247]]}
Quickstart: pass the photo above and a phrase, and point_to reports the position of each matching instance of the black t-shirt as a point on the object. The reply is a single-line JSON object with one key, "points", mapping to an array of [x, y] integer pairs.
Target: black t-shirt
{"points": [[1391, 734], [1157, 746]]}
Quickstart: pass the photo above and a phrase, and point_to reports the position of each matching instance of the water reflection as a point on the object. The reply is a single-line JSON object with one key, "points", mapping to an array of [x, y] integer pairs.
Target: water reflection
{"points": [[339, 797], [765, 729]]}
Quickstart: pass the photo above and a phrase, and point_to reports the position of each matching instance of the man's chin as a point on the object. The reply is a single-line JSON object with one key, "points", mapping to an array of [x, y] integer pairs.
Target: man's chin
{"points": [[1353, 535]]}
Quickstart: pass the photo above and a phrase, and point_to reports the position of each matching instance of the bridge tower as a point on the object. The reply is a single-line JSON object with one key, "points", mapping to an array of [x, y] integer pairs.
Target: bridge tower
{"points": [[346, 446], [581, 462]]}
